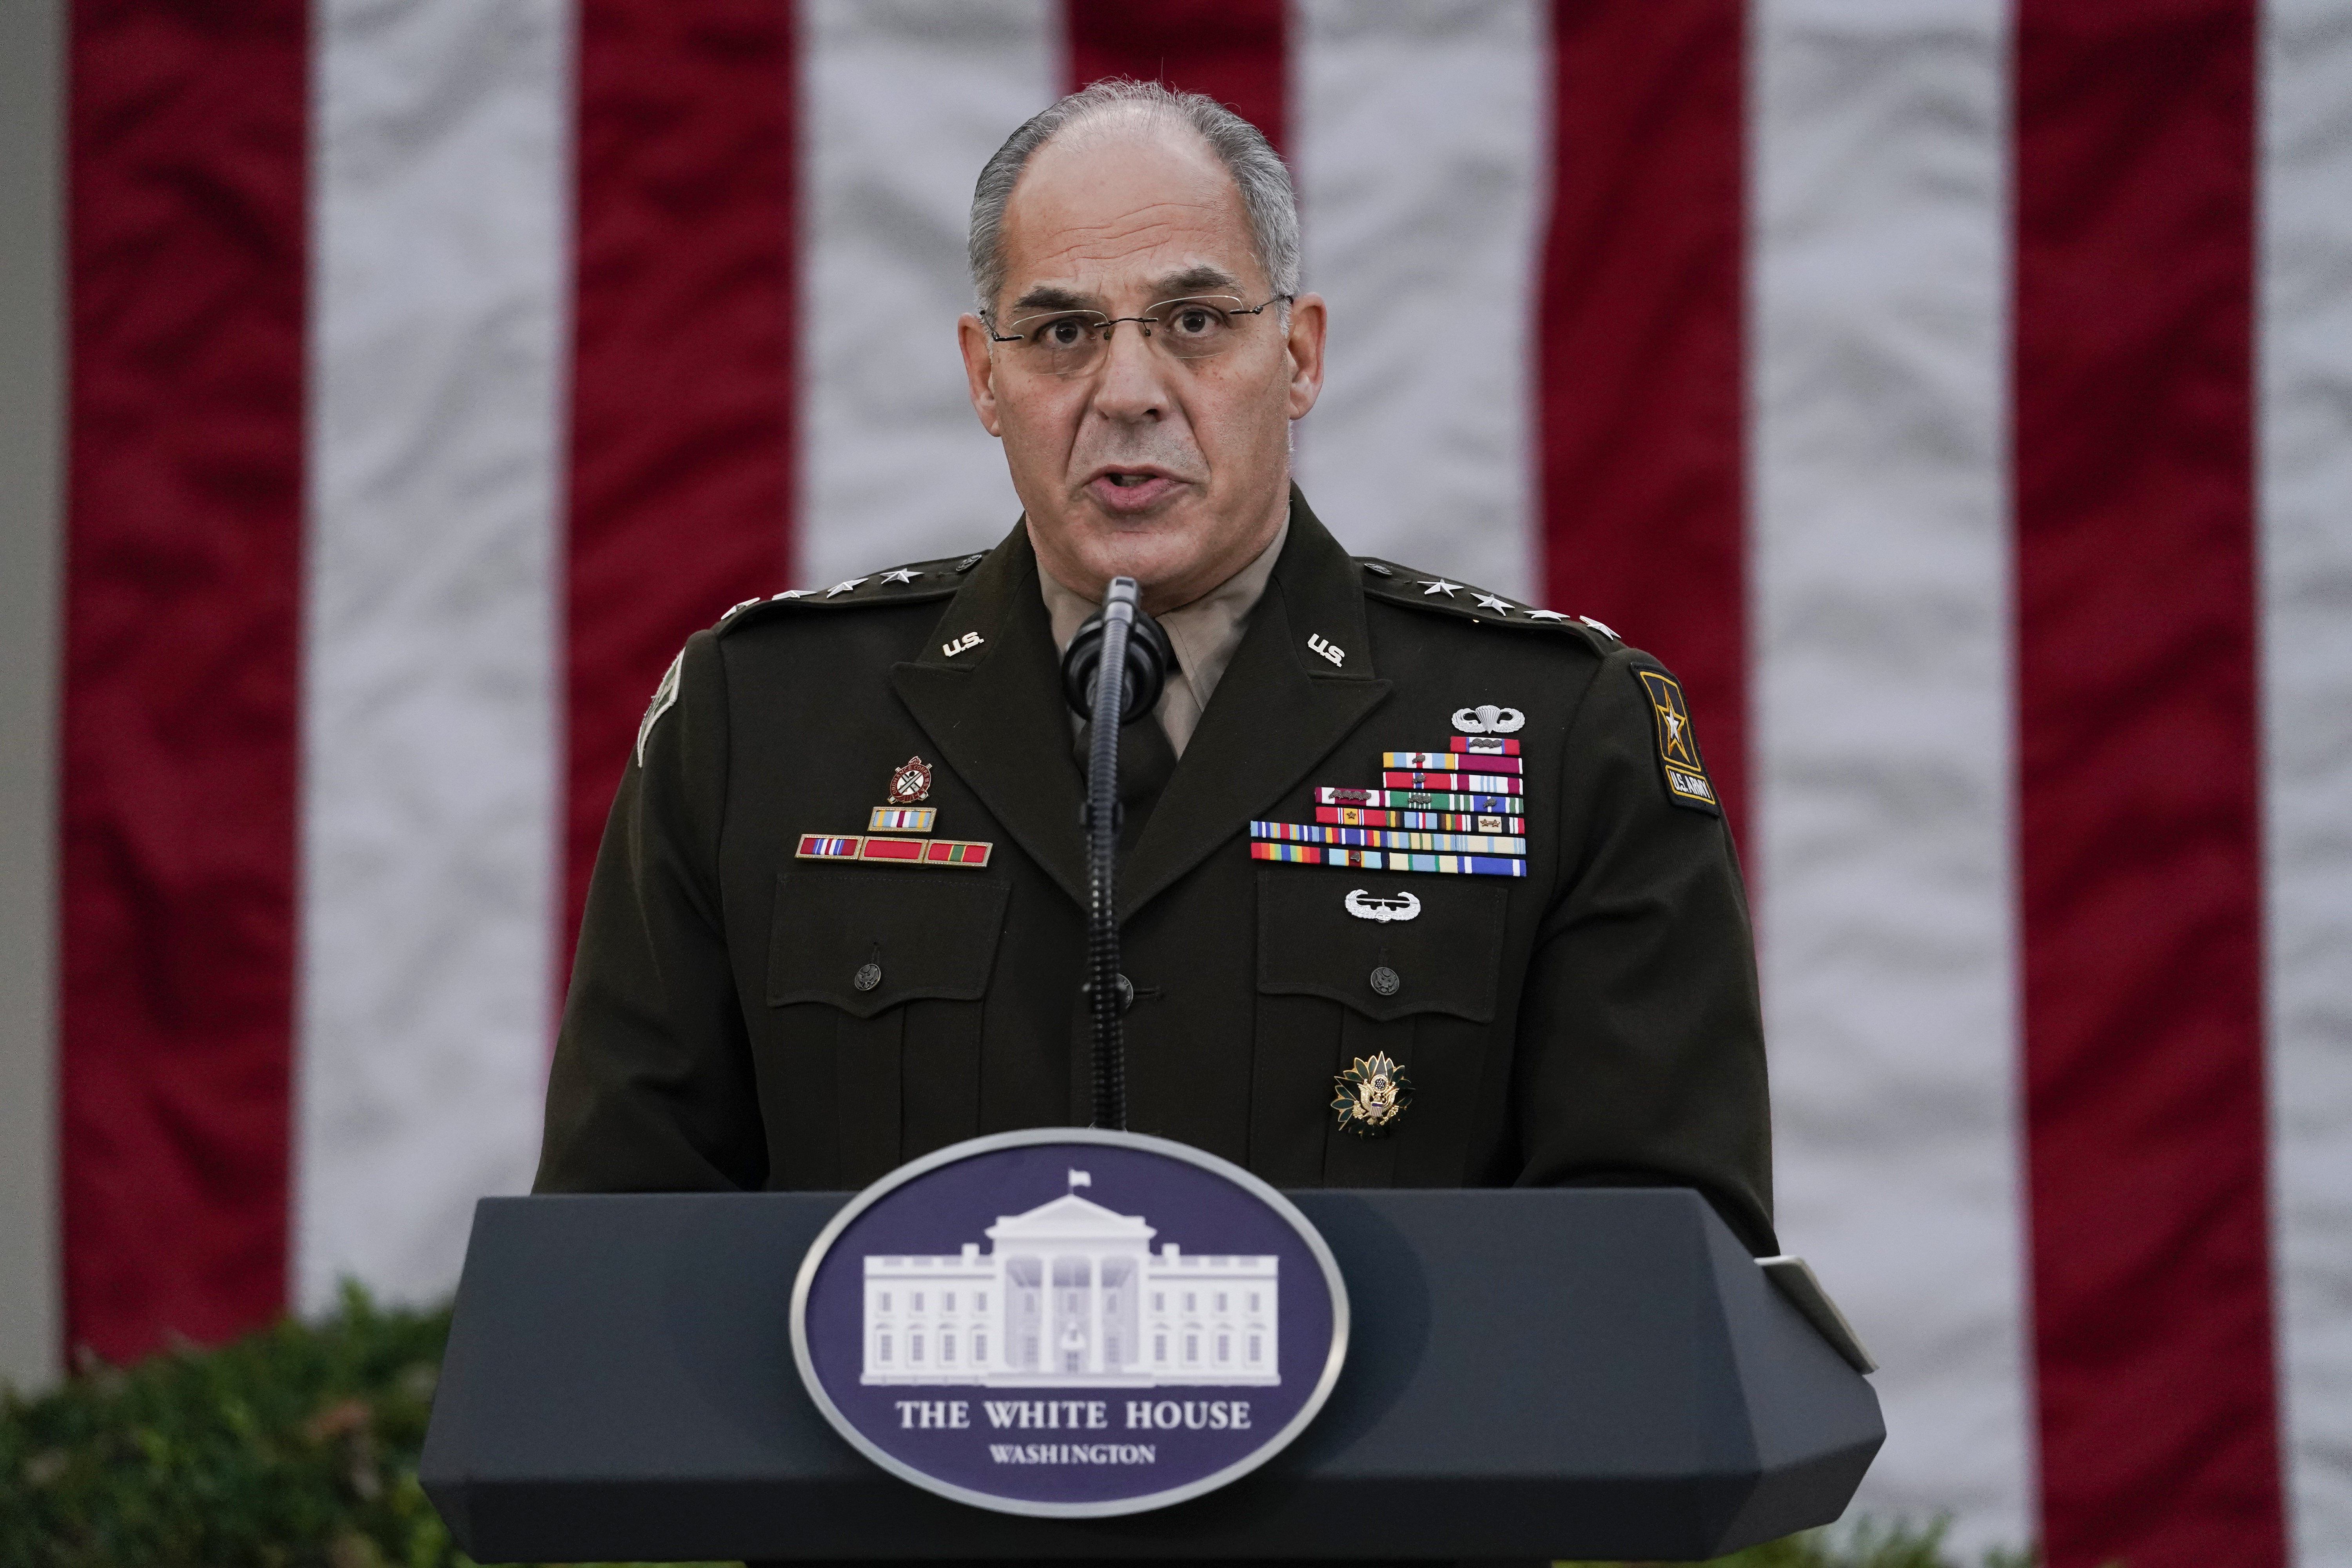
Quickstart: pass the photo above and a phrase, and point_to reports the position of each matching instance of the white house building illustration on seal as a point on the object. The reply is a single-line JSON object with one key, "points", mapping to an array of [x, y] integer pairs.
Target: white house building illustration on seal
{"points": [[1070, 1295]]}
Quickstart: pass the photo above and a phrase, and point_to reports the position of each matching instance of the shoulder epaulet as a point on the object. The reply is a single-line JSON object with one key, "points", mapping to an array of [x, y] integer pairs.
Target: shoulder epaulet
{"points": [[913, 582], [1430, 591]]}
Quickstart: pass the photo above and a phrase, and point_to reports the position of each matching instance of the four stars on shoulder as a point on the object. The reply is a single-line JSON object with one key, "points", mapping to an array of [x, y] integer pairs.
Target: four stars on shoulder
{"points": [[939, 576], [1501, 608]]}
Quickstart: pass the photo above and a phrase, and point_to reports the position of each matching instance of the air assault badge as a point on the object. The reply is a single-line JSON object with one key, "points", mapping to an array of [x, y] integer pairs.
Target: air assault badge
{"points": [[1678, 759], [1372, 1095]]}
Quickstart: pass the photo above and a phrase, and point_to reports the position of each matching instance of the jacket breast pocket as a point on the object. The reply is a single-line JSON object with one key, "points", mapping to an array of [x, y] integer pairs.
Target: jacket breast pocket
{"points": [[1354, 966], [875, 984]]}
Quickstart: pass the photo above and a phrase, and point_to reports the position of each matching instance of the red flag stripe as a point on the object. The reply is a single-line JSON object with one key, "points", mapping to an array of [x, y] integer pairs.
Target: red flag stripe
{"points": [[1233, 51], [682, 431], [180, 734], [1640, 423], [2141, 888]]}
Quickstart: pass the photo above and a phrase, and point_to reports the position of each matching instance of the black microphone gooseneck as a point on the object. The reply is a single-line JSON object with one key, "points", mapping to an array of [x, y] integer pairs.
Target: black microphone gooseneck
{"points": [[1122, 639]]}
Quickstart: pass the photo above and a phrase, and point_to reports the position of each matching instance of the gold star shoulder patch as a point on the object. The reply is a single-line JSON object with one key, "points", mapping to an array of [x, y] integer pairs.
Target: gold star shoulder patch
{"points": [[1678, 757]]}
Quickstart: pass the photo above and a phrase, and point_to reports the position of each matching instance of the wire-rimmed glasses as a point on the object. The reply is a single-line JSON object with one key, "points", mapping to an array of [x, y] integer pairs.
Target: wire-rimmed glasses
{"points": [[1072, 342]]}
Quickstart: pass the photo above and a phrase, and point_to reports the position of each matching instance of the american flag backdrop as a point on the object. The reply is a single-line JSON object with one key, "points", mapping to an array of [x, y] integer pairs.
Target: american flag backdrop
{"points": [[1956, 394]]}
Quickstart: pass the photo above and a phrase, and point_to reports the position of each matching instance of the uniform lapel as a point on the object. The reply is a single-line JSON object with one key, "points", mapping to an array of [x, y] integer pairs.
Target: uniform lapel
{"points": [[994, 709], [1280, 709]]}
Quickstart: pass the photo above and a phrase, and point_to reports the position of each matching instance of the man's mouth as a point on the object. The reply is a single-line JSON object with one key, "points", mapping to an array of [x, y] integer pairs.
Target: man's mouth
{"points": [[1128, 491]]}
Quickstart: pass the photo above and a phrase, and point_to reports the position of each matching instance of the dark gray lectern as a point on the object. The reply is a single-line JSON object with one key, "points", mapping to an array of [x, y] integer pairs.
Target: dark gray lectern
{"points": [[1531, 1374]]}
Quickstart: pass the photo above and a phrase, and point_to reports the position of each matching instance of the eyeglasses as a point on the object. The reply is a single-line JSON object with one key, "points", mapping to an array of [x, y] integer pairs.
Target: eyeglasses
{"points": [[1073, 342]]}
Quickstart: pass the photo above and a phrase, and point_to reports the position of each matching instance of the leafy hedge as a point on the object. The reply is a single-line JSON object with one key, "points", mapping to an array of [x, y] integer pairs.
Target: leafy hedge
{"points": [[296, 1447]]}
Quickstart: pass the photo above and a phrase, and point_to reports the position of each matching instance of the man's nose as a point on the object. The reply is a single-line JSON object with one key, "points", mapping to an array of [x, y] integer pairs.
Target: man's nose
{"points": [[1131, 382]]}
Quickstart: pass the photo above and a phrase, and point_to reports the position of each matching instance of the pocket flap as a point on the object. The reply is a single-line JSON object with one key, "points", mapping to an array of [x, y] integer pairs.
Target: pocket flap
{"points": [[1442, 958], [926, 936]]}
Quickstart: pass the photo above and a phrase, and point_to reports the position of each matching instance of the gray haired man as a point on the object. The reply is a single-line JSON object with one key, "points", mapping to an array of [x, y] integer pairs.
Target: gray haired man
{"points": [[1422, 885]]}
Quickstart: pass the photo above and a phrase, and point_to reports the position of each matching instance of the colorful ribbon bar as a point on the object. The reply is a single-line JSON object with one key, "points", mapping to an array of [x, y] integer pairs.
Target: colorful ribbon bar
{"points": [[1421, 821], [1460, 783], [895, 851], [902, 818], [1386, 859], [1419, 800], [1447, 762], [1484, 745], [1384, 838], [817, 846]]}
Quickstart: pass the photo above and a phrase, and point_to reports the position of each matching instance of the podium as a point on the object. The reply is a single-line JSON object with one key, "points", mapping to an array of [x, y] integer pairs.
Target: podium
{"points": [[1561, 1373]]}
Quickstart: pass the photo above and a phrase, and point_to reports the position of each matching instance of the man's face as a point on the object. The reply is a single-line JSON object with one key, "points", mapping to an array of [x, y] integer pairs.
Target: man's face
{"points": [[1170, 471]]}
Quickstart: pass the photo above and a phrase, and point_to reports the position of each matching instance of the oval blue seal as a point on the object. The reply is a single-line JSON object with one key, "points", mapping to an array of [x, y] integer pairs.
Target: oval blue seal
{"points": [[1069, 1323]]}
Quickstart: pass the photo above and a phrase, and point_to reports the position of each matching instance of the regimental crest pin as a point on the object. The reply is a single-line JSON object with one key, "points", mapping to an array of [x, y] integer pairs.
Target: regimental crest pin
{"points": [[1372, 1095], [910, 783]]}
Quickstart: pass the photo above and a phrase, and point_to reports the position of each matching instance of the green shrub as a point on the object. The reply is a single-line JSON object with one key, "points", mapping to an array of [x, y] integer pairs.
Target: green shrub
{"points": [[292, 1448], [296, 1447]]}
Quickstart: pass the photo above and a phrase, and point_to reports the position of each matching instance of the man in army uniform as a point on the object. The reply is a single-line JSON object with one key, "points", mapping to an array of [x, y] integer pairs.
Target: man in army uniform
{"points": [[1420, 884]]}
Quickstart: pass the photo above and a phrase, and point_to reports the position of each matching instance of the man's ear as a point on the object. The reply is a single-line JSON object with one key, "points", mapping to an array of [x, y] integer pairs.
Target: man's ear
{"points": [[979, 371], [1308, 318]]}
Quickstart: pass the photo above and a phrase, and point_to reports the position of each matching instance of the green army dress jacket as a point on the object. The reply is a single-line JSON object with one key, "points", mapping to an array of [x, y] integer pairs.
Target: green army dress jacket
{"points": [[742, 1016]]}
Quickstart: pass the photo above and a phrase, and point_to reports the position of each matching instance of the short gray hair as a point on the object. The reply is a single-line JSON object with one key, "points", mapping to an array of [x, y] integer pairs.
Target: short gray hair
{"points": [[1258, 172]]}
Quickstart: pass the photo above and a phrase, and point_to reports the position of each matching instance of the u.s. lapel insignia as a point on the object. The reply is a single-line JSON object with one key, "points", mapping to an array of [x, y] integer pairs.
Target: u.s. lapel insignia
{"points": [[1372, 1095], [1678, 757], [910, 783]]}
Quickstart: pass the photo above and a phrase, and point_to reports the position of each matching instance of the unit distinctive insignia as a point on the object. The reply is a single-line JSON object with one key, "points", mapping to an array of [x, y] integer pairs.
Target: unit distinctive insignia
{"points": [[1686, 773], [1364, 906], [1372, 1095], [1488, 719], [665, 696], [911, 784]]}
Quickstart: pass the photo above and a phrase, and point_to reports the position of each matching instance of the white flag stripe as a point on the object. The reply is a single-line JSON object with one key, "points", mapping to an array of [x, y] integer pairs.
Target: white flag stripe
{"points": [[902, 103], [1418, 137], [1880, 679], [2306, 421], [440, 247]]}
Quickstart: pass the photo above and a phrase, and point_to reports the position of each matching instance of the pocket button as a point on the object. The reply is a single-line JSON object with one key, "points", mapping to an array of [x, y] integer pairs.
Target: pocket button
{"points": [[867, 977], [1386, 982]]}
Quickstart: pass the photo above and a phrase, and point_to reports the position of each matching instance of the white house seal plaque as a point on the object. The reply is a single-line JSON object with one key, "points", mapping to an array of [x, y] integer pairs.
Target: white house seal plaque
{"points": [[1069, 1323]]}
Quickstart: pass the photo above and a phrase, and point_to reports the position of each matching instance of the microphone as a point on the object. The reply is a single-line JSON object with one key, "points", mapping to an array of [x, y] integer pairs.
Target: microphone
{"points": [[1118, 637], [1149, 655]]}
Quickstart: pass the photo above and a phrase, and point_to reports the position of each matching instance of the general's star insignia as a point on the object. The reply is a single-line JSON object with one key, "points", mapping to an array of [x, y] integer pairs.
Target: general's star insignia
{"points": [[1489, 602], [746, 605], [795, 593], [1601, 626], [901, 575], [842, 587], [1440, 586], [1546, 616], [1372, 1095]]}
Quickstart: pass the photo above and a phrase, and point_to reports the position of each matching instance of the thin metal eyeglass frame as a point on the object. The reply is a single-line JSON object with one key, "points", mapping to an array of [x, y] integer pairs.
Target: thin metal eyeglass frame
{"points": [[1099, 321]]}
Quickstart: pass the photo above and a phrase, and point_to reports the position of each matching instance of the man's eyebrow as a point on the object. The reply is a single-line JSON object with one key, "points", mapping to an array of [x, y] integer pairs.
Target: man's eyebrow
{"points": [[1192, 281], [1048, 297]]}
